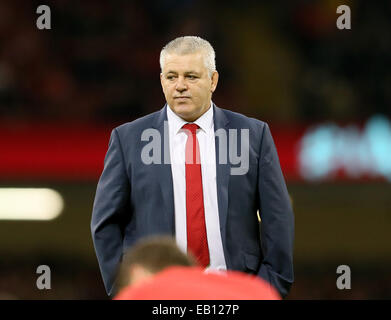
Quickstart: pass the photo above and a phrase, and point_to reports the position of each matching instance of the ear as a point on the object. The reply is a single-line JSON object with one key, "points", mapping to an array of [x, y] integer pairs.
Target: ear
{"points": [[215, 79], [161, 81]]}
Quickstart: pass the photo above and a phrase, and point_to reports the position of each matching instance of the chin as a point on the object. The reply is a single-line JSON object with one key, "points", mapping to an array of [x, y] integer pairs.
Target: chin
{"points": [[184, 111], [186, 116]]}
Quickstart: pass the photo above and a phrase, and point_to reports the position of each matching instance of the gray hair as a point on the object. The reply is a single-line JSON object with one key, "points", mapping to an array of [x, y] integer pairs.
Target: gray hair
{"points": [[187, 45]]}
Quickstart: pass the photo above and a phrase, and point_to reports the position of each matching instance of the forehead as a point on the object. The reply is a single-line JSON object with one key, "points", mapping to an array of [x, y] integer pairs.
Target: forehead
{"points": [[184, 63]]}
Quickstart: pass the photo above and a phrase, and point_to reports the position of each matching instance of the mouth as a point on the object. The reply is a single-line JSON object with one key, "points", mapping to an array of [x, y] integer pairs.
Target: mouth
{"points": [[182, 97]]}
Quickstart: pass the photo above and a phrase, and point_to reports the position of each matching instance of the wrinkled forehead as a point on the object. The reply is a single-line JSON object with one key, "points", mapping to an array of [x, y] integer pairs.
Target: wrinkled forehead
{"points": [[184, 63]]}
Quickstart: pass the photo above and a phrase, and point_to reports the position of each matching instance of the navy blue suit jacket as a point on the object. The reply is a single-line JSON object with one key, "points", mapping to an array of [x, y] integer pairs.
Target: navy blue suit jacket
{"points": [[135, 200]]}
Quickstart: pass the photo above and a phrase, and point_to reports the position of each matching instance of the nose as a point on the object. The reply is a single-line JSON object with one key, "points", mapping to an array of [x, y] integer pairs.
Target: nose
{"points": [[181, 85]]}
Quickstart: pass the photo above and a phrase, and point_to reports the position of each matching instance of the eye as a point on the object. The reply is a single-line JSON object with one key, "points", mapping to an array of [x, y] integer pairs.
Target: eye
{"points": [[170, 77], [191, 77]]}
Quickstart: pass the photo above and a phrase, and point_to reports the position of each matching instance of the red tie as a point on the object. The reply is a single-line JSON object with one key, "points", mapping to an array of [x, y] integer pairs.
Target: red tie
{"points": [[197, 242]]}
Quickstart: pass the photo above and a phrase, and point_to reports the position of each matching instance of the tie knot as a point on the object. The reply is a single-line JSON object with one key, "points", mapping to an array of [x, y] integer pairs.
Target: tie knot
{"points": [[192, 127]]}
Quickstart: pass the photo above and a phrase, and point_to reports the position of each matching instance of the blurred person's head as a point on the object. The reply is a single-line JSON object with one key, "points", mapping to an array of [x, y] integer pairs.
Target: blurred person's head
{"points": [[148, 257], [188, 76]]}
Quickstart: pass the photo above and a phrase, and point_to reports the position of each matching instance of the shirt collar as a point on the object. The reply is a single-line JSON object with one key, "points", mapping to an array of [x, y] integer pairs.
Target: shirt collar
{"points": [[205, 122]]}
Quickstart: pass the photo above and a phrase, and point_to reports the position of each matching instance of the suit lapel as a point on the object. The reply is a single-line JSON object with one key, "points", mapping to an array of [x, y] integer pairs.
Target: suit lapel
{"points": [[222, 172], [163, 171]]}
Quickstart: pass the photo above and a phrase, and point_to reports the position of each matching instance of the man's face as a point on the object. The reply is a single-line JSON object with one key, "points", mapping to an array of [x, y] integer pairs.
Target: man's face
{"points": [[187, 86]]}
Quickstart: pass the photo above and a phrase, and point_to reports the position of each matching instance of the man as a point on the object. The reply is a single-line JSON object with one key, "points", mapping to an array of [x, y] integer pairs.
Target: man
{"points": [[175, 172], [148, 257], [156, 269]]}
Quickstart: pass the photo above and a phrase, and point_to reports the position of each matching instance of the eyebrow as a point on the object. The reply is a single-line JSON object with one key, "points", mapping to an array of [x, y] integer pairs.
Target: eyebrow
{"points": [[186, 73]]}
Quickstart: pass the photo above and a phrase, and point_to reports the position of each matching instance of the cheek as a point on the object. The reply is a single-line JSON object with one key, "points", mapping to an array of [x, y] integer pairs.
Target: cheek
{"points": [[200, 91], [204, 92], [168, 91]]}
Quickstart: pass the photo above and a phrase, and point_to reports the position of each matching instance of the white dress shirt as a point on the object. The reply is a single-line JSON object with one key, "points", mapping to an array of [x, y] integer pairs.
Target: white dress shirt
{"points": [[206, 140]]}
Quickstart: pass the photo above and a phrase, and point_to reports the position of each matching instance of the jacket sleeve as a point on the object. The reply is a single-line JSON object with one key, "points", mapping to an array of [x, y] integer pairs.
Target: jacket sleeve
{"points": [[277, 220], [110, 205]]}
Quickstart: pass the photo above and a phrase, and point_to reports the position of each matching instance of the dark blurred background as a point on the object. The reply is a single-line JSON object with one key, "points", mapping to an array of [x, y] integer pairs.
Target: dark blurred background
{"points": [[321, 89]]}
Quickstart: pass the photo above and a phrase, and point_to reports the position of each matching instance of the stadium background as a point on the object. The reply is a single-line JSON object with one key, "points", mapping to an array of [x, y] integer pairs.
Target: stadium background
{"points": [[63, 90]]}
